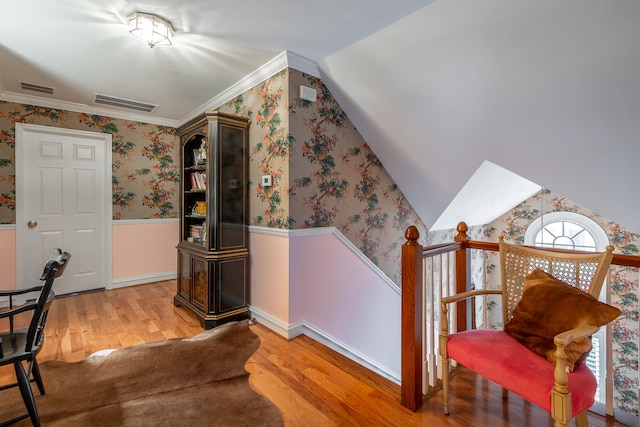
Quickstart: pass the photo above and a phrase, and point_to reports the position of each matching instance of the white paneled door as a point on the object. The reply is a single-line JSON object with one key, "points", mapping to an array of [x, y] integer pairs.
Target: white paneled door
{"points": [[63, 200]]}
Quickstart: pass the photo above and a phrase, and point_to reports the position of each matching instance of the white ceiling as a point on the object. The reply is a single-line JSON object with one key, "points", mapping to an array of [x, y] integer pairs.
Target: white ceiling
{"points": [[492, 97], [81, 47]]}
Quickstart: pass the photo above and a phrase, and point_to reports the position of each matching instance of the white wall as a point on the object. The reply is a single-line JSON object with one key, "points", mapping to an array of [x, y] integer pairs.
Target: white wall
{"points": [[143, 251], [269, 293], [335, 295], [8, 257]]}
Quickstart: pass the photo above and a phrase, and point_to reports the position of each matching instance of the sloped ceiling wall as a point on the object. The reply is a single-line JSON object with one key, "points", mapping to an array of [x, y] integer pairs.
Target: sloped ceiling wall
{"points": [[548, 90]]}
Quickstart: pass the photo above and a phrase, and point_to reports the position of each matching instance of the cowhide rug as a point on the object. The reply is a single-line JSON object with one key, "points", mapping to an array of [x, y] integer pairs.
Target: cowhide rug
{"points": [[198, 381]]}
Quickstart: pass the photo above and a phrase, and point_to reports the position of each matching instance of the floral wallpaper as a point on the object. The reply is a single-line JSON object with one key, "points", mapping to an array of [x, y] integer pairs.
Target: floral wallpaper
{"points": [[324, 174], [337, 180], [624, 282], [145, 157]]}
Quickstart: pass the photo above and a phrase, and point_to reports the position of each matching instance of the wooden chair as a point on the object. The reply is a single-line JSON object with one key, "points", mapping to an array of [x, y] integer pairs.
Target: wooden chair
{"points": [[495, 355], [22, 345]]}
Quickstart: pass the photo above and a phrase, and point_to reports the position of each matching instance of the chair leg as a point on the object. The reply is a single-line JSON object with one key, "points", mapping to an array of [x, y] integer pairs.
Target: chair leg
{"points": [[581, 419], [444, 361], [27, 393], [35, 371]]}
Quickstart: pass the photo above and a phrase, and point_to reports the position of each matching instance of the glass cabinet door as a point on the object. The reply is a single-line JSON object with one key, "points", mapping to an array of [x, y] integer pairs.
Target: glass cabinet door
{"points": [[232, 187], [194, 191]]}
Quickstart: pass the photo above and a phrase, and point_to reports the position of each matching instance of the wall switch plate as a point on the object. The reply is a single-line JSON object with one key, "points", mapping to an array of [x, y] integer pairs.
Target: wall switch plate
{"points": [[266, 180], [307, 93]]}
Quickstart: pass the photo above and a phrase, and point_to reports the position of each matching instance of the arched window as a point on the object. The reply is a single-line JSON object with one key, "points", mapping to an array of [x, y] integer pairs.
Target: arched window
{"points": [[566, 230]]}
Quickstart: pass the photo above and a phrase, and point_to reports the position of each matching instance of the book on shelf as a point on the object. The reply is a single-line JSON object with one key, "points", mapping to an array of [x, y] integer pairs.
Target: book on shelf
{"points": [[198, 233], [198, 180]]}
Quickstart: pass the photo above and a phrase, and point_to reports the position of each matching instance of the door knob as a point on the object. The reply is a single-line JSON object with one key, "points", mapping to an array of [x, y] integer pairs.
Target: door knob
{"points": [[32, 224]]}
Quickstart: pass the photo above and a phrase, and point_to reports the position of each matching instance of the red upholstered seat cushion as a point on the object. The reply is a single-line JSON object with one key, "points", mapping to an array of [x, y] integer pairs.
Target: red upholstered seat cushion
{"points": [[500, 358]]}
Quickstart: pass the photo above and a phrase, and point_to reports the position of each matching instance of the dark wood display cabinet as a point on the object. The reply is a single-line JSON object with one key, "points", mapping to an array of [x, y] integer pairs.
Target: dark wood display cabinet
{"points": [[213, 251]]}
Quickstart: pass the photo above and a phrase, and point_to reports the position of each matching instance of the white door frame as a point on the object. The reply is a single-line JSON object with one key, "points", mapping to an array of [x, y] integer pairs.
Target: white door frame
{"points": [[21, 220]]}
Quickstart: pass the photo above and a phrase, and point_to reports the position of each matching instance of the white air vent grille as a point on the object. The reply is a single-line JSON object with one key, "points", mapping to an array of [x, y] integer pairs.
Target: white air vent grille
{"points": [[36, 88], [124, 103]]}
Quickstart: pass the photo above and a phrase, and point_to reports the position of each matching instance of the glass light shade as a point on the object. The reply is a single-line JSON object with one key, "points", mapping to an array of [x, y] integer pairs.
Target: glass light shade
{"points": [[150, 29]]}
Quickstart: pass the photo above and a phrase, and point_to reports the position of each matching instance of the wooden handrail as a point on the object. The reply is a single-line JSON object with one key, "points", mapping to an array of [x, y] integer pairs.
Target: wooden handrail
{"points": [[618, 259], [440, 249]]}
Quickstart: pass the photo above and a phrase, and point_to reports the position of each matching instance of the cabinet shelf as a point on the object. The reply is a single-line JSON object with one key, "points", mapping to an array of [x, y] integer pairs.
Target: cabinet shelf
{"points": [[196, 216]]}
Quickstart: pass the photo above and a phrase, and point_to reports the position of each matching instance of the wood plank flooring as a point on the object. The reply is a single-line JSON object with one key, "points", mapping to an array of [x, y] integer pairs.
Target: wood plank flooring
{"points": [[311, 384]]}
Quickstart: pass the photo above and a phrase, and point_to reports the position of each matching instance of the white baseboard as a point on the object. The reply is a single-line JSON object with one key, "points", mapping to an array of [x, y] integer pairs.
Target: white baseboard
{"points": [[139, 280], [276, 325], [302, 328]]}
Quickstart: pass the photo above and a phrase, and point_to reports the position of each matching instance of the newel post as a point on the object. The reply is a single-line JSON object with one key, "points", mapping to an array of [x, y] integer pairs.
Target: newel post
{"points": [[411, 376], [461, 275]]}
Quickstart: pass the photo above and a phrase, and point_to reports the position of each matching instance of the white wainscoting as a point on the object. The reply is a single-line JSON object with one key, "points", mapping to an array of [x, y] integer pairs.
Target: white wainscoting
{"points": [[317, 283], [144, 251]]}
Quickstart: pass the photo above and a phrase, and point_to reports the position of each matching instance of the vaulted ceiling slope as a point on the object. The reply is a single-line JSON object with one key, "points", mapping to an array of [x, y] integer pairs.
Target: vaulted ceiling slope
{"points": [[469, 105], [547, 90]]}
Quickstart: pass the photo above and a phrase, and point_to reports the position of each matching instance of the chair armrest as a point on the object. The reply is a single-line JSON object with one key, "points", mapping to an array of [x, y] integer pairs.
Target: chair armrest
{"points": [[470, 294], [564, 338], [560, 392], [444, 316], [20, 291]]}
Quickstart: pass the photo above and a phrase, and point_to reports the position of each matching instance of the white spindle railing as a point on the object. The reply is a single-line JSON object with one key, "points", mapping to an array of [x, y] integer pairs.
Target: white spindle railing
{"points": [[438, 271]]}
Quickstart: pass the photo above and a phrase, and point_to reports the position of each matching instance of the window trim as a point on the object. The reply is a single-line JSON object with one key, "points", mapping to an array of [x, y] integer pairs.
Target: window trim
{"points": [[599, 235]]}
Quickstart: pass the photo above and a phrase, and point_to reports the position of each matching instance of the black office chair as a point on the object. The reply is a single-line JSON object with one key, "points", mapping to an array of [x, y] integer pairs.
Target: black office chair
{"points": [[22, 345]]}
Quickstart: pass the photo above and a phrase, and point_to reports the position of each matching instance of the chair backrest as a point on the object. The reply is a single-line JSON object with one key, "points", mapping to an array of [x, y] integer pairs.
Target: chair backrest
{"points": [[53, 269], [586, 271]]}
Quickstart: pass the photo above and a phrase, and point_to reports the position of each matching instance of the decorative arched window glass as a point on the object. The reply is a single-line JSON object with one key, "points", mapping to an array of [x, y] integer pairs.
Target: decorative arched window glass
{"points": [[566, 230]]}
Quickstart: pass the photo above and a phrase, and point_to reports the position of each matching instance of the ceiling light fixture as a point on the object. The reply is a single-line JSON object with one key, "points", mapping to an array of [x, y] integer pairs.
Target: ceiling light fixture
{"points": [[150, 29]]}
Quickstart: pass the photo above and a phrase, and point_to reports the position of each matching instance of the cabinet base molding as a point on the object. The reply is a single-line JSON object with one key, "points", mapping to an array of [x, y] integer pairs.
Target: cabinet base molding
{"points": [[209, 321]]}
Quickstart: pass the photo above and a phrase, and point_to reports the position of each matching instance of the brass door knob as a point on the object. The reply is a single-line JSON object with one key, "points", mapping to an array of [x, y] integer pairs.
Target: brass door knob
{"points": [[32, 224]]}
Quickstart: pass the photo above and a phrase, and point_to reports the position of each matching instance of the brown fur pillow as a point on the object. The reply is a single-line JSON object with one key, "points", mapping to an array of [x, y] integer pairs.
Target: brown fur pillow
{"points": [[549, 307]]}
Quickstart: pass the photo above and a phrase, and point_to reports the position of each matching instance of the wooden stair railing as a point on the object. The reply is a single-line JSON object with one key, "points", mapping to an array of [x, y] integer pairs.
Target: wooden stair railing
{"points": [[412, 323]]}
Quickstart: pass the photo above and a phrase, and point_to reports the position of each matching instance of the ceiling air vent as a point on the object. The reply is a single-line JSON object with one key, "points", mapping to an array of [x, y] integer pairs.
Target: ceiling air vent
{"points": [[124, 103], [36, 88]]}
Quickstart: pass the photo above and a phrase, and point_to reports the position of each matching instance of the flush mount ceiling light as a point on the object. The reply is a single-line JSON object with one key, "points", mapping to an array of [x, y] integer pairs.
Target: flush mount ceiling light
{"points": [[150, 29]]}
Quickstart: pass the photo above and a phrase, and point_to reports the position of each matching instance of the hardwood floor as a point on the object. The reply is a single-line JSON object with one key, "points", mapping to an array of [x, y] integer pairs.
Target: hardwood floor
{"points": [[311, 384]]}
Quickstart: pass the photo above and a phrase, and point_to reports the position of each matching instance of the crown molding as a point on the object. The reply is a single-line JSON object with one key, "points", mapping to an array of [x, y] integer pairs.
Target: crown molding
{"points": [[282, 61], [85, 108], [300, 63], [285, 59]]}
